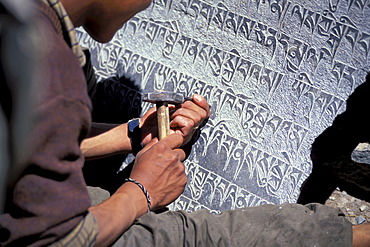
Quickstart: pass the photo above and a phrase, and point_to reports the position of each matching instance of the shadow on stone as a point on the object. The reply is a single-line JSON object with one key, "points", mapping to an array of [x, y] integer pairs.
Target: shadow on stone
{"points": [[117, 100], [332, 151]]}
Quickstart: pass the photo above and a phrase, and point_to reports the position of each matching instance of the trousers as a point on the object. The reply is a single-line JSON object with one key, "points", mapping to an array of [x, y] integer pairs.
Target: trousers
{"points": [[267, 225]]}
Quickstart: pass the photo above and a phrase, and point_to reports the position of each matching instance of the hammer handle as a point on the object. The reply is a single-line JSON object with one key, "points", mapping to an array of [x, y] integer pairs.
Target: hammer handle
{"points": [[163, 117]]}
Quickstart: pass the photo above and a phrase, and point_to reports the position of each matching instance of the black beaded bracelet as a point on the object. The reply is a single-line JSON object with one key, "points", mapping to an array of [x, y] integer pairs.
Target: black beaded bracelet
{"points": [[143, 189]]}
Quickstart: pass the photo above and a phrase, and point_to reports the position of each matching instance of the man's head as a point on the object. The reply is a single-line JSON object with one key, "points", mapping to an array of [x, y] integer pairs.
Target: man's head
{"points": [[103, 18]]}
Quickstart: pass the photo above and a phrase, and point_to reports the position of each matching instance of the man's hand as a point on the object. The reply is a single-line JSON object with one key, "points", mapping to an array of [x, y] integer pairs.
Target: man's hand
{"points": [[189, 116], [160, 169], [185, 119]]}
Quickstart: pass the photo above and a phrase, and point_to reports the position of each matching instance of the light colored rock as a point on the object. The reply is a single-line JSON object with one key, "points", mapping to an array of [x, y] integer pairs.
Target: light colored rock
{"points": [[363, 208], [363, 147]]}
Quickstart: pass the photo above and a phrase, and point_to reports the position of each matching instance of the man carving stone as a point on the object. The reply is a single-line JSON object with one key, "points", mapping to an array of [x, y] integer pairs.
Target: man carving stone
{"points": [[49, 203]]}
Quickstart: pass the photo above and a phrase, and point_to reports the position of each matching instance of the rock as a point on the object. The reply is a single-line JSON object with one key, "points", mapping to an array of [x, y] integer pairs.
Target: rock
{"points": [[363, 208], [360, 219], [260, 68]]}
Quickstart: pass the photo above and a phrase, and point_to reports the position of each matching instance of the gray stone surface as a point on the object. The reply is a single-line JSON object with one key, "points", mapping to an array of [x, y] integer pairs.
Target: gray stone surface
{"points": [[276, 74], [362, 153]]}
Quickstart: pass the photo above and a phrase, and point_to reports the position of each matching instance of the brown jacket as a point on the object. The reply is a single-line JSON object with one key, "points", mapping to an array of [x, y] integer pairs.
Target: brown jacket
{"points": [[50, 197]]}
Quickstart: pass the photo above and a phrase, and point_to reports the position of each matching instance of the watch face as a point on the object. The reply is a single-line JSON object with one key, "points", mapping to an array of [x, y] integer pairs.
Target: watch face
{"points": [[132, 124]]}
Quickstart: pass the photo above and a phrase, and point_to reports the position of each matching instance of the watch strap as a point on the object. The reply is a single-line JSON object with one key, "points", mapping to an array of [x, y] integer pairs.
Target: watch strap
{"points": [[134, 134]]}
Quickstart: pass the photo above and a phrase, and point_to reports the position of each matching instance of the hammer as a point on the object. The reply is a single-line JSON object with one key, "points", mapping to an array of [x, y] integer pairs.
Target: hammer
{"points": [[162, 99]]}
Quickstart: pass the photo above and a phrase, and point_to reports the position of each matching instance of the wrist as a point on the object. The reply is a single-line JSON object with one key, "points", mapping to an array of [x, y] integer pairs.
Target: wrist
{"points": [[134, 133], [144, 191], [137, 200]]}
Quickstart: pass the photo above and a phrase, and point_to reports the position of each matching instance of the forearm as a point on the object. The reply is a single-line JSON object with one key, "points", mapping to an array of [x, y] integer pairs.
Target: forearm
{"points": [[116, 214], [158, 166], [113, 141]]}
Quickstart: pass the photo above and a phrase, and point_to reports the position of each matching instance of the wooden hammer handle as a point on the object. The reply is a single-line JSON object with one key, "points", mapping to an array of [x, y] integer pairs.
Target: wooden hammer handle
{"points": [[163, 117]]}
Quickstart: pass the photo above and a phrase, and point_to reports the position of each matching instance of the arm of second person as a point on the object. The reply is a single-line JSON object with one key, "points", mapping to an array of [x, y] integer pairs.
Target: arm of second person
{"points": [[110, 139], [185, 119], [105, 140]]}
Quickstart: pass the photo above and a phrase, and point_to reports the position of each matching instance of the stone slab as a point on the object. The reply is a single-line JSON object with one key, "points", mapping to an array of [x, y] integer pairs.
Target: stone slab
{"points": [[276, 73]]}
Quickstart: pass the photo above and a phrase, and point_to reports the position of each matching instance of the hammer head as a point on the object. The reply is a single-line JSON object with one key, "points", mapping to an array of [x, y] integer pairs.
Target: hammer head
{"points": [[165, 97]]}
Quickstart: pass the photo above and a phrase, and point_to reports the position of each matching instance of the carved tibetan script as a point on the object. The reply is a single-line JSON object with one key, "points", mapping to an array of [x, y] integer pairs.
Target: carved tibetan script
{"points": [[276, 74]]}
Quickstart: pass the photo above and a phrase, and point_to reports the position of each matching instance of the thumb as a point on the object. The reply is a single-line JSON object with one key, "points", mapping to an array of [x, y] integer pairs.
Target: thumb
{"points": [[173, 140], [148, 146]]}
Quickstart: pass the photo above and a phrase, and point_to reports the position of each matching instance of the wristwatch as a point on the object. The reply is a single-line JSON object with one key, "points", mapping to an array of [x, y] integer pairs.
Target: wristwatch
{"points": [[134, 134]]}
